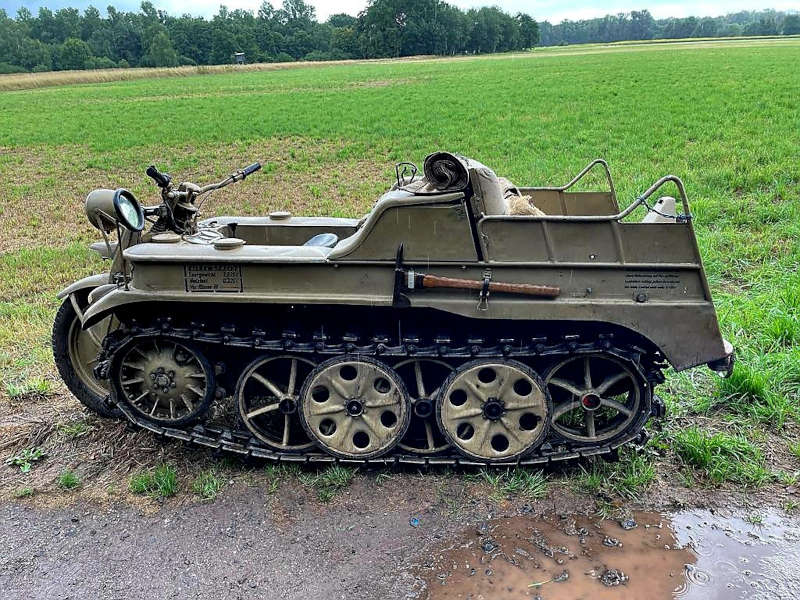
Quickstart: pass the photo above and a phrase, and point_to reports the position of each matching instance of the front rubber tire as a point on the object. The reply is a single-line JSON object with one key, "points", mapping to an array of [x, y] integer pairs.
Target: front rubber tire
{"points": [[89, 392]]}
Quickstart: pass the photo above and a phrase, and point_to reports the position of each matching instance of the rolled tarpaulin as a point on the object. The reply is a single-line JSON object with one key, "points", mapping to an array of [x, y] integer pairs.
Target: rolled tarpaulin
{"points": [[446, 172]]}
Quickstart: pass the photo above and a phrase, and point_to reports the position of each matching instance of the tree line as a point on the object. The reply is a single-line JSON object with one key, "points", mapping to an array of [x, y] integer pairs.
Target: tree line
{"points": [[68, 39], [640, 25]]}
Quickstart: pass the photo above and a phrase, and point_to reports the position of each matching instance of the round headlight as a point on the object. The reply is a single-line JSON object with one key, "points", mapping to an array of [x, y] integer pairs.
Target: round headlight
{"points": [[128, 210]]}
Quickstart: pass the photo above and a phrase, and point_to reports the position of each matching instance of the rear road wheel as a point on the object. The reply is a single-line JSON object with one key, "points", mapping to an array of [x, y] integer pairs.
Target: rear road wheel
{"points": [[597, 398]]}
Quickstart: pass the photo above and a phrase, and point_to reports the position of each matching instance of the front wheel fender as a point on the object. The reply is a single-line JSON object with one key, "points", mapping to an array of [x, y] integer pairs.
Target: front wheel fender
{"points": [[87, 283], [112, 300]]}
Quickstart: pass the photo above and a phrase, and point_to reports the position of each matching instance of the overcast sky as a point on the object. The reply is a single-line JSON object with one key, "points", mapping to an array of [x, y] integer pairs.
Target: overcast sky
{"points": [[551, 10]]}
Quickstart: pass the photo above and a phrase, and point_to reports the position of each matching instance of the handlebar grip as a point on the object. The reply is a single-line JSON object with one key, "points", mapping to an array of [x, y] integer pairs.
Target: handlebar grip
{"points": [[161, 179], [250, 169]]}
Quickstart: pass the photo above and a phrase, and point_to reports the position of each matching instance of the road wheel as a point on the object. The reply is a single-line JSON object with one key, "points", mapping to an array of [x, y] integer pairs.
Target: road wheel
{"points": [[355, 407], [494, 410]]}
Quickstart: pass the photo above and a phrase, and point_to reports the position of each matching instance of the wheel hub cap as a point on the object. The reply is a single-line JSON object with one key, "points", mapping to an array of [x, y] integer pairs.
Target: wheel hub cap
{"points": [[288, 406], [493, 409], [162, 380], [423, 408], [355, 408], [591, 401]]}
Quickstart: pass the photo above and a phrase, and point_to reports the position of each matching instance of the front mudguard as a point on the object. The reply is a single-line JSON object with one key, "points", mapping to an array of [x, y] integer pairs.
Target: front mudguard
{"points": [[111, 300], [87, 283]]}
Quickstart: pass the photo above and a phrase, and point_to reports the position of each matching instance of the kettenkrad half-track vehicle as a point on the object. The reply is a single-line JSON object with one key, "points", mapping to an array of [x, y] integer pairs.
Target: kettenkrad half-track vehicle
{"points": [[464, 320]]}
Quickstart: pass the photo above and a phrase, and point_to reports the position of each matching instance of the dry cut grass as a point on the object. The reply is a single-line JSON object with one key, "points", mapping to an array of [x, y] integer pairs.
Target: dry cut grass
{"points": [[26, 81]]}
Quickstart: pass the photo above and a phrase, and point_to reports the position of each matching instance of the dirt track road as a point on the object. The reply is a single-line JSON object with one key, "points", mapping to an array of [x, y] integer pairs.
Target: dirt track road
{"points": [[231, 548], [246, 544], [249, 544]]}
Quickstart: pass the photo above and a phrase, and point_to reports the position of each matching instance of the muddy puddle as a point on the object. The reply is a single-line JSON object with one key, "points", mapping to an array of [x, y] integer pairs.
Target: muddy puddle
{"points": [[687, 555]]}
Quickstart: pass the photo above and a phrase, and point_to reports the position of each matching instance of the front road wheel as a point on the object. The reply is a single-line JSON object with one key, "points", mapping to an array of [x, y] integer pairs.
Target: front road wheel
{"points": [[75, 352]]}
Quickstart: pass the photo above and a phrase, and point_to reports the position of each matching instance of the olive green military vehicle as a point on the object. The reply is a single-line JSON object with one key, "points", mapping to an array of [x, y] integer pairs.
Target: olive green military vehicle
{"points": [[464, 320]]}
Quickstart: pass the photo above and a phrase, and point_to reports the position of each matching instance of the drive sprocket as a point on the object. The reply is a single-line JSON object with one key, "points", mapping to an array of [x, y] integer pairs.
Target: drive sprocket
{"points": [[163, 380]]}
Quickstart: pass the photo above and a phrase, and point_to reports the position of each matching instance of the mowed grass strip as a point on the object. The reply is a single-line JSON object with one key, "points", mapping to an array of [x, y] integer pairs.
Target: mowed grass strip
{"points": [[723, 117]]}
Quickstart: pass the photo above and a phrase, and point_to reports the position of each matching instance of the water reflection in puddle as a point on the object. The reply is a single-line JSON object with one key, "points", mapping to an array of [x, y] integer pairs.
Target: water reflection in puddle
{"points": [[737, 558], [688, 555]]}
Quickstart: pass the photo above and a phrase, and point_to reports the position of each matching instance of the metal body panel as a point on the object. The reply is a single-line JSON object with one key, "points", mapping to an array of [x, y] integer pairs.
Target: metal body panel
{"points": [[422, 231], [148, 253], [646, 278], [671, 309], [557, 202], [532, 239], [420, 223]]}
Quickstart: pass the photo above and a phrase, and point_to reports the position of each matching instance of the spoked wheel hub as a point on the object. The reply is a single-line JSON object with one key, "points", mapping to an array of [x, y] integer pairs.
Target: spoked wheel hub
{"points": [[423, 378], [591, 401], [163, 380], [354, 407], [287, 406], [494, 410], [596, 398], [423, 408], [268, 394]]}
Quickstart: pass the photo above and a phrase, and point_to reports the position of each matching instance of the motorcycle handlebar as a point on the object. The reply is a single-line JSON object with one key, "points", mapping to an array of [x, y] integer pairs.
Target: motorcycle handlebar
{"points": [[163, 180], [250, 169]]}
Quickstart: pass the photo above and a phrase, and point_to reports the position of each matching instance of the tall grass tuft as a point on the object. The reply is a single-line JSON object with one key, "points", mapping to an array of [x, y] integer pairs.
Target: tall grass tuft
{"points": [[161, 482], [721, 457]]}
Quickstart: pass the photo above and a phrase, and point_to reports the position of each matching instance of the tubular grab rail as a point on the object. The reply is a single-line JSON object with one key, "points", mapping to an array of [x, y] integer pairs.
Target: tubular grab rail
{"points": [[579, 176], [640, 201]]}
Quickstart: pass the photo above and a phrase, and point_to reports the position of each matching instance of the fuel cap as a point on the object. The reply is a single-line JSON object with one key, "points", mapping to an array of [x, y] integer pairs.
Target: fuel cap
{"points": [[228, 243], [168, 237]]}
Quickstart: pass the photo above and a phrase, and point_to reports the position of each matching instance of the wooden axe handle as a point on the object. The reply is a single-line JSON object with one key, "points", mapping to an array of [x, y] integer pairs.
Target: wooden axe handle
{"points": [[546, 291]]}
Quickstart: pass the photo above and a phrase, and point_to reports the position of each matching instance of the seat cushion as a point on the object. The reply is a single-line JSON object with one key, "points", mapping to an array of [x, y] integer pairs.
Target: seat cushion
{"points": [[324, 240], [486, 189]]}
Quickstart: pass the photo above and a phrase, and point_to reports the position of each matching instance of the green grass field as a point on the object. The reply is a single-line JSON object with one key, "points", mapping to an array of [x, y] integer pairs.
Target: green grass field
{"points": [[723, 117]]}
